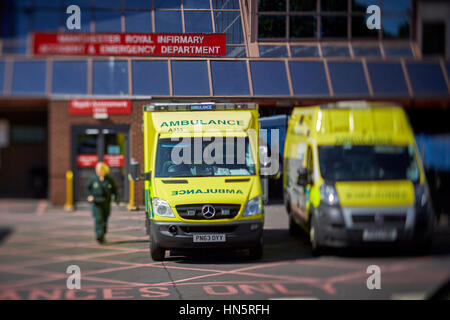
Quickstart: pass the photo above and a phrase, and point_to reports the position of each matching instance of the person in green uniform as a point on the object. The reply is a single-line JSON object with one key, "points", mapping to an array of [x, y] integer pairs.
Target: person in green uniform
{"points": [[101, 188]]}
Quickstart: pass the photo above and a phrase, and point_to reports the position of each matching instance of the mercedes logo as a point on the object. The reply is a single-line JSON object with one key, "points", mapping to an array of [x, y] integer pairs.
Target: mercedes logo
{"points": [[379, 219], [208, 211]]}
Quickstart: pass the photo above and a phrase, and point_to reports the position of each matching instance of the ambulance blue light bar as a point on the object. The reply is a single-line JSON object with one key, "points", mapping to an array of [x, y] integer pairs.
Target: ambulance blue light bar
{"points": [[204, 106]]}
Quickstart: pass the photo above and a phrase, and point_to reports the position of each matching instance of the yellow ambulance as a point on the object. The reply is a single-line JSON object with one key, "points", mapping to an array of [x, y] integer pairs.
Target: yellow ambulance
{"points": [[201, 172], [353, 176]]}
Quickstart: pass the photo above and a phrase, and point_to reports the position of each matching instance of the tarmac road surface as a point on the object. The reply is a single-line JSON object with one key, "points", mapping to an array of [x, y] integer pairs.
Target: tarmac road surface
{"points": [[38, 243]]}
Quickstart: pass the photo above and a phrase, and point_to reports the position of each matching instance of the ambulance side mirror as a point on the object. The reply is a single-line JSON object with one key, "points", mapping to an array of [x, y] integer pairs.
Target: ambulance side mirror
{"points": [[136, 174], [135, 170], [304, 177]]}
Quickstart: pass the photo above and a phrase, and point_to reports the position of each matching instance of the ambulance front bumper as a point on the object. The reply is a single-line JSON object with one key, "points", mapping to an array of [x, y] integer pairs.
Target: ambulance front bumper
{"points": [[180, 235], [355, 227]]}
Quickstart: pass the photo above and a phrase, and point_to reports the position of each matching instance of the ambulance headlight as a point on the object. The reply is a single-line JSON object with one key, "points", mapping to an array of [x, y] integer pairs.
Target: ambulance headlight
{"points": [[253, 207], [328, 194], [161, 208]]}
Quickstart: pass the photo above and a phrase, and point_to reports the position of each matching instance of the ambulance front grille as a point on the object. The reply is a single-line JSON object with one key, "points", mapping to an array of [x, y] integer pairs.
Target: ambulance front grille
{"points": [[194, 211], [380, 219], [208, 229]]}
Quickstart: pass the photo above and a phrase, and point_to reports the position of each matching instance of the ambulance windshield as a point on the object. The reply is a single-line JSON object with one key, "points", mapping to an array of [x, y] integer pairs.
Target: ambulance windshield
{"points": [[368, 163], [203, 157]]}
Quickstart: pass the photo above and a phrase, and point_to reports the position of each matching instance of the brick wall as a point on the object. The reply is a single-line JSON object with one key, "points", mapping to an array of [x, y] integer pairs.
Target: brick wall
{"points": [[59, 126]]}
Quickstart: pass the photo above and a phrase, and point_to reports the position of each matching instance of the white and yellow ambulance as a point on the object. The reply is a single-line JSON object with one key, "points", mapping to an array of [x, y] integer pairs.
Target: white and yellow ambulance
{"points": [[201, 175], [353, 176]]}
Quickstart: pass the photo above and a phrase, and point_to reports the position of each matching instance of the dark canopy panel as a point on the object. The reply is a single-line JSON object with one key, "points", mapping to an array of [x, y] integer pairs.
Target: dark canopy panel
{"points": [[427, 79], [29, 77], [150, 78], [308, 78], [387, 79], [229, 78], [190, 78], [69, 77], [269, 78], [348, 78], [110, 77], [2, 76]]}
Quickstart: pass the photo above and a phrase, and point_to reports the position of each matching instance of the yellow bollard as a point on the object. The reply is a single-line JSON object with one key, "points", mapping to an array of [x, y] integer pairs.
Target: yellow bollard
{"points": [[68, 206], [131, 205]]}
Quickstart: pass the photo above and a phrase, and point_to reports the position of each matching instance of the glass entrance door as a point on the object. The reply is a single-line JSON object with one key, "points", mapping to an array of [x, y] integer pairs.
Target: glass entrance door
{"points": [[114, 157], [101, 143]]}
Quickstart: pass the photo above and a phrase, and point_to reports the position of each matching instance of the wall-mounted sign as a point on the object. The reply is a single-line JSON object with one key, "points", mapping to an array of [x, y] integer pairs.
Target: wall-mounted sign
{"points": [[99, 108], [129, 44], [86, 160], [114, 160]]}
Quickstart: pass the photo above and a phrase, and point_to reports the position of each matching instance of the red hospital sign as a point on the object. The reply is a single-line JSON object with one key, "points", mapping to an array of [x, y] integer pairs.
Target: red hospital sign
{"points": [[86, 160], [90, 107], [129, 44], [114, 160]]}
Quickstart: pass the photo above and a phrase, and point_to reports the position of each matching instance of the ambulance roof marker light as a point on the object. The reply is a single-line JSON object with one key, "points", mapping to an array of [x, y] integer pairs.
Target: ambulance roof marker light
{"points": [[351, 104], [203, 106]]}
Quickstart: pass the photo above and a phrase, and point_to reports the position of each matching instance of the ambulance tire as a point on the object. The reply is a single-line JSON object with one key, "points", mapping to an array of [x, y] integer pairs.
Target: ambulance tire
{"points": [[256, 253], [316, 248], [294, 228], [157, 253], [147, 224], [425, 248]]}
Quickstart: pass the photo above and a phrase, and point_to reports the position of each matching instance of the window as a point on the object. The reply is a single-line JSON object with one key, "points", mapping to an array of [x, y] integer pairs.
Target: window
{"points": [[335, 51], [190, 78], [137, 4], [304, 51], [427, 79], [269, 78], [229, 22], [69, 77], [308, 78], [387, 79], [168, 21], [198, 21], [21, 134], [398, 50], [272, 26], [20, 17], [225, 4], [108, 21], [196, 4], [110, 77], [433, 38], [215, 157], [348, 78], [29, 77], [368, 163], [303, 27], [229, 78], [366, 51], [331, 19], [138, 21], [150, 77], [272, 51], [2, 75]]}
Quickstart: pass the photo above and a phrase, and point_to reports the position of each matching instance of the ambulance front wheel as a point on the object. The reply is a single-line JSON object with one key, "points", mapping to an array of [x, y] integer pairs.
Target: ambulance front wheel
{"points": [[256, 253], [147, 224], [157, 253], [316, 247]]}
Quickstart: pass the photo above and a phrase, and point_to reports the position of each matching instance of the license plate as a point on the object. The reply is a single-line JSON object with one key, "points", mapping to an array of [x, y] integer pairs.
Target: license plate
{"points": [[209, 237], [380, 235]]}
